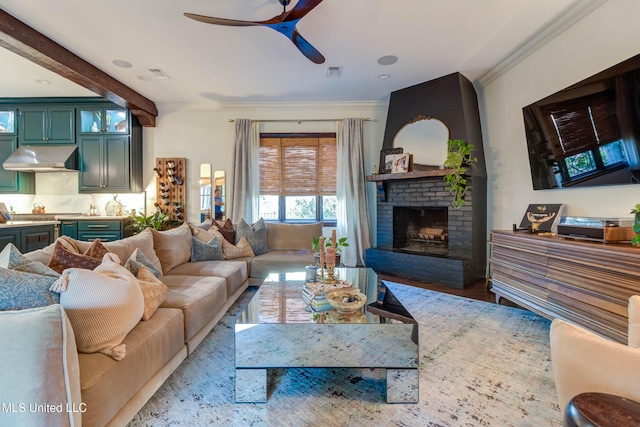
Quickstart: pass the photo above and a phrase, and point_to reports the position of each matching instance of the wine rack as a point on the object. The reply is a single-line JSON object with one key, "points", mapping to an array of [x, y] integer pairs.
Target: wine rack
{"points": [[171, 187]]}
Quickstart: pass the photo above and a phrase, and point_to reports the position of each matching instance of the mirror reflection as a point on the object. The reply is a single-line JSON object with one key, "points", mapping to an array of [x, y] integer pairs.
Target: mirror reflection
{"points": [[219, 195], [205, 191], [426, 138]]}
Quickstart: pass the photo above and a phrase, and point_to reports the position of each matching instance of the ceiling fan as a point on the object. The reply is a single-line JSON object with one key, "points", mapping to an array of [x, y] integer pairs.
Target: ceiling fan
{"points": [[284, 23]]}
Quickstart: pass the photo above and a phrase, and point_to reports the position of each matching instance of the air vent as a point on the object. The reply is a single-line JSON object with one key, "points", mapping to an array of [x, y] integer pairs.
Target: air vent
{"points": [[159, 73], [333, 71]]}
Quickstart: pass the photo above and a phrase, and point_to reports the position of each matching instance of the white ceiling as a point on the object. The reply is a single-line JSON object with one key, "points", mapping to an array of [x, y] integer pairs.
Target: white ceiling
{"points": [[210, 64]]}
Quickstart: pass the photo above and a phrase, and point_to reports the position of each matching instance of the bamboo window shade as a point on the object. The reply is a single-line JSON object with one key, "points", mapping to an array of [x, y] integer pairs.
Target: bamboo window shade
{"points": [[582, 124], [298, 166]]}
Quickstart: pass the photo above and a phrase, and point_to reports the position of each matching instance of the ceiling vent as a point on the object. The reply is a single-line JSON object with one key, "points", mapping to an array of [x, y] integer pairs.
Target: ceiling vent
{"points": [[159, 73], [333, 71]]}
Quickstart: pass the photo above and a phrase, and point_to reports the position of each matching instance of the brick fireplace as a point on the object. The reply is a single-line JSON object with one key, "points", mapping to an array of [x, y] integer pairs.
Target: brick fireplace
{"points": [[420, 237]]}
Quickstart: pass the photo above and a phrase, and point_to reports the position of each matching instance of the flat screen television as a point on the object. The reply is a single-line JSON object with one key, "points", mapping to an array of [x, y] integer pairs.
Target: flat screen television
{"points": [[587, 134]]}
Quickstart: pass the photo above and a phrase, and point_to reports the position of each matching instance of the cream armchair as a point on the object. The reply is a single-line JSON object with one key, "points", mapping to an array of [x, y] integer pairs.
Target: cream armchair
{"points": [[585, 362]]}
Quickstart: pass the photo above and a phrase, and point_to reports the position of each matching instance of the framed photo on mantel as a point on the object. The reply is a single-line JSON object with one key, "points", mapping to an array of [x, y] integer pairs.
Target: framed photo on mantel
{"points": [[386, 159]]}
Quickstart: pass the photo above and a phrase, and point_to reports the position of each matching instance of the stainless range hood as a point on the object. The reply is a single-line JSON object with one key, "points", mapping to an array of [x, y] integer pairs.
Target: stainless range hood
{"points": [[43, 158]]}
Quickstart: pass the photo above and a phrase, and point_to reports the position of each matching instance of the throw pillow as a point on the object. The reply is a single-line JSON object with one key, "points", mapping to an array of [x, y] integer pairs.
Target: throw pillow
{"points": [[256, 235], [205, 225], [137, 259], [153, 291], [227, 229], [173, 247], [96, 249], [13, 259], [209, 251], [206, 236], [242, 249], [103, 305], [62, 258], [20, 290]]}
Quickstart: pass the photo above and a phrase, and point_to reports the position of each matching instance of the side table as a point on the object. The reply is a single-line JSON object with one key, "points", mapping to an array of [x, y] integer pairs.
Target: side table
{"points": [[601, 410]]}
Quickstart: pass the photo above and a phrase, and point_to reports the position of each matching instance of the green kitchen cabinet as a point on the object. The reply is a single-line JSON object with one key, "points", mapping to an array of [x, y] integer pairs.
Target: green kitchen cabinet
{"points": [[8, 121], [105, 230], [103, 119], [69, 228], [47, 125], [9, 235], [27, 238], [12, 181]]}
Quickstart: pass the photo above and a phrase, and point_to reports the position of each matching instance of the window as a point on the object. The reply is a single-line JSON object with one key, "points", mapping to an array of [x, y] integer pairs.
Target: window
{"points": [[298, 177], [585, 136]]}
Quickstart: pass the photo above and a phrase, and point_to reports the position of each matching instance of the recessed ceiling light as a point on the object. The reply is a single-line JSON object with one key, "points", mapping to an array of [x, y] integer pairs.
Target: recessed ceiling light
{"points": [[159, 73], [387, 60], [121, 63], [144, 78], [384, 76], [333, 71], [43, 82]]}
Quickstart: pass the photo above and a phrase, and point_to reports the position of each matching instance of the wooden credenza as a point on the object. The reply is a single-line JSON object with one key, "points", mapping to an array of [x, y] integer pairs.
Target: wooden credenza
{"points": [[587, 283]]}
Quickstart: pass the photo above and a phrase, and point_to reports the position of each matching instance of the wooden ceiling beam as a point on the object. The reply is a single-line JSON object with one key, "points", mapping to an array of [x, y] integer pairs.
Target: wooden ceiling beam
{"points": [[25, 41]]}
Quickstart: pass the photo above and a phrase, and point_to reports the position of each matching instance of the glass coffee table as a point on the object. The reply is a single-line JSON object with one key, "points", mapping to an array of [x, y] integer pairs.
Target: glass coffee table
{"points": [[279, 330]]}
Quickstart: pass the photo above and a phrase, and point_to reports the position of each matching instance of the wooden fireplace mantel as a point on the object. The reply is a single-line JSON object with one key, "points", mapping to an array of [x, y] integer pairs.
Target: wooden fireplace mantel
{"points": [[433, 173]]}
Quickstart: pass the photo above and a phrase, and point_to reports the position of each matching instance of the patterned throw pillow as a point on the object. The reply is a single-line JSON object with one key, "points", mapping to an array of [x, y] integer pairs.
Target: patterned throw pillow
{"points": [[227, 229], [12, 258], [63, 258], [138, 259], [256, 235], [103, 305], [20, 290], [153, 291], [96, 249], [210, 251], [242, 249]]}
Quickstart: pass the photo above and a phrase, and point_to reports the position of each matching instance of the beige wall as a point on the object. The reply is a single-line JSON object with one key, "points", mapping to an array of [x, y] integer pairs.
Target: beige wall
{"points": [[605, 37], [206, 136]]}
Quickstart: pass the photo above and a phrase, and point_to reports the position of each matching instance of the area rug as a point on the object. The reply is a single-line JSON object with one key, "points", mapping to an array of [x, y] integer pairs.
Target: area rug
{"points": [[481, 364]]}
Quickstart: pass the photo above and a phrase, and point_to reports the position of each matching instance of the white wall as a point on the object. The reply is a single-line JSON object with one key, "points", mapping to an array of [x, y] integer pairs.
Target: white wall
{"points": [[207, 136], [608, 35]]}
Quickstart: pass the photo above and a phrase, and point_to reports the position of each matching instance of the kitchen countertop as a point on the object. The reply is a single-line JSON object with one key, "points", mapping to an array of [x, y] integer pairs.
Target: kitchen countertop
{"points": [[11, 224], [89, 217]]}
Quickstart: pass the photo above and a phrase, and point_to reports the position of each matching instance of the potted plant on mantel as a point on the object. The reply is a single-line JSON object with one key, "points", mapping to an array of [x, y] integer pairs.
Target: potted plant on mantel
{"points": [[458, 160], [315, 247], [636, 225]]}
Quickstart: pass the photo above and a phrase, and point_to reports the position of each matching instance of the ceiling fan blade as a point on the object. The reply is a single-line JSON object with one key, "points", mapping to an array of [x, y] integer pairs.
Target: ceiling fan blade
{"points": [[221, 21], [305, 47], [301, 9]]}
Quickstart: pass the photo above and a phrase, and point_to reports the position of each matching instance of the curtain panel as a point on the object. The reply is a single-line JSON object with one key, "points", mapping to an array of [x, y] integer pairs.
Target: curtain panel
{"points": [[246, 172]]}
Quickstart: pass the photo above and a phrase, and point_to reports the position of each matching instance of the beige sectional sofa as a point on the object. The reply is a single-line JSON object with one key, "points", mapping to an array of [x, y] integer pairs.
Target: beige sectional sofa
{"points": [[102, 391]]}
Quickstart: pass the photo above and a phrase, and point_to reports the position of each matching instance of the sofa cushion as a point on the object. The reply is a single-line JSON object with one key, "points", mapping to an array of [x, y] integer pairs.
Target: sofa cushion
{"points": [[62, 258], [153, 291], [633, 336], [280, 262], [103, 305], [138, 259], [38, 346], [173, 247], [234, 272], [210, 251], [283, 236], [107, 385], [199, 297], [96, 249], [256, 235]]}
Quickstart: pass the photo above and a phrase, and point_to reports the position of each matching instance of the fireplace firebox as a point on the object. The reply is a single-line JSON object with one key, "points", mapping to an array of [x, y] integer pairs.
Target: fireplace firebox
{"points": [[420, 230]]}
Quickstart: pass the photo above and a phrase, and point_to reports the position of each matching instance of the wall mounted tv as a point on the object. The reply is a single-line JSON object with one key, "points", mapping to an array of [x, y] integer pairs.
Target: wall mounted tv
{"points": [[589, 133]]}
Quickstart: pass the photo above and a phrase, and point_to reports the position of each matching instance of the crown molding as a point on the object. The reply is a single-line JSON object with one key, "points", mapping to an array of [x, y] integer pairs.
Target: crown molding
{"points": [[275, 106], [552, 29]]}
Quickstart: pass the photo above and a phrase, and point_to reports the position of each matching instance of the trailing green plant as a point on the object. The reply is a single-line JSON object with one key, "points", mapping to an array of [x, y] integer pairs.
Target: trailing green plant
{"points": [[636, 225], [459, 160], [158, 221]]}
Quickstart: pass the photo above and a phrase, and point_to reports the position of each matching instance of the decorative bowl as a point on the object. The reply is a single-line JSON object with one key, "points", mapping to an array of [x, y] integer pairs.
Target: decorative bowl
{"points": [[346, 300]]}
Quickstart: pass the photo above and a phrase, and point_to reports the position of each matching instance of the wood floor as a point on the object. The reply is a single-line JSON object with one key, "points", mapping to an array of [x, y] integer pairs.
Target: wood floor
{"points": [[476, 290]]}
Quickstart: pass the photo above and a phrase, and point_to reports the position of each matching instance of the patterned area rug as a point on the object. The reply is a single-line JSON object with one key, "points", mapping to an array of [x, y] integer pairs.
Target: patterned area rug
{"points": [[481, 364]]}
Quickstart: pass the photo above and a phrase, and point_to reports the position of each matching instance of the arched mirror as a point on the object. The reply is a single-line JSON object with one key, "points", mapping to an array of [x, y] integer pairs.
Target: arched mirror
{"points": [[205, 191], [426, 138], [220, 192]]}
